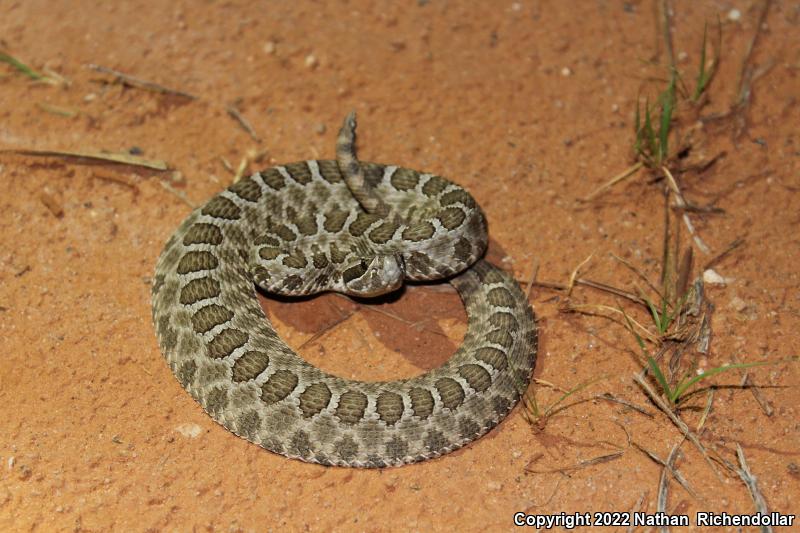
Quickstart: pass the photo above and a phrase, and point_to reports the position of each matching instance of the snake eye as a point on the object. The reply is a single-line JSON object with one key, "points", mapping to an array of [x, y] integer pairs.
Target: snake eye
{"points": [[364, 264]]}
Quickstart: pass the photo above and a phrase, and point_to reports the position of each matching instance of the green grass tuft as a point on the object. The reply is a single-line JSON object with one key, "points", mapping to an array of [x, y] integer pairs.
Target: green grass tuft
{"points": [[675, 394]]}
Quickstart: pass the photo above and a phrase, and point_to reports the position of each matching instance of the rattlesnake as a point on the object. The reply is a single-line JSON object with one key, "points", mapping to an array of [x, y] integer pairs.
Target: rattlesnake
{"points": [[359, 228]]}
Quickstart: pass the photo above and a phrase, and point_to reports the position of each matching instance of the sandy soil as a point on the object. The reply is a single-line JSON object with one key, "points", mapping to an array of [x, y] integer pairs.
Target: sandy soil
{"points": [[530, 105]]}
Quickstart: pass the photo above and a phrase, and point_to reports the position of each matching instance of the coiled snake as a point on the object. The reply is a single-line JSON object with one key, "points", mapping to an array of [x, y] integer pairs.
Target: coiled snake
{"points": [[362, 229]]}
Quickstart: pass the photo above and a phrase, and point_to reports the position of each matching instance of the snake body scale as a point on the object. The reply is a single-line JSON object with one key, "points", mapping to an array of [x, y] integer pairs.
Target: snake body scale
{"points": [[359, 228]]}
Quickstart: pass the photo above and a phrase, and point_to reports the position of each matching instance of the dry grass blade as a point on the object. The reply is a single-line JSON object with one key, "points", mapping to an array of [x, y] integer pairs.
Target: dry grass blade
{"points": [[683, 204], [121, 180], [613, 181], [57, 110], [586, 283], [762, 402], [750, 481], [635, 509], [663, 485], [745, 73], [140, 83], [706, 411], [607, 396], [534, 273], [597, 310], [250, 157], [234, 113], [574, 274], [608, 288], [109, 157], [581, 465], [640, 275], [678, 422], [178, 194], [722, 255], [227, 165], [669, 467], [326, 329]]}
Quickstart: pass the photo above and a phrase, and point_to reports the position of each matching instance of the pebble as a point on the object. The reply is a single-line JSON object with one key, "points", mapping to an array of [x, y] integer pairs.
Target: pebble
{"points": [[711, 277], [311, 61], [494, 486], [189, 430], [738, 304], [734, 15]]}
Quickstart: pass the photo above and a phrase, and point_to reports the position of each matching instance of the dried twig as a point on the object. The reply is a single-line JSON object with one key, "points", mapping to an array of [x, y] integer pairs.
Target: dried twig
{"points": [[175, 192], [682, 204], [756, 391], [750, 481], [640, 276], [636, 509], [611, 398], [140, 83], [668, 466], [746, 73], [582, 464], [327, 328], [722, 255], [663, 485], [122, 180], [234, 112], [706, 411], [613, 181], [574, 274]]}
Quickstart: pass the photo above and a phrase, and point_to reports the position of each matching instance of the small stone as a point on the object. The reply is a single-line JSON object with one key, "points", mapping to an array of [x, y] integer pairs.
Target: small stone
{"points": [[516, 454], [734, 15], [25, 472], [711, 277], [311, 61], [566, 72], [177, 178], [189, 430], [320, 129], [269, 47], [738, 304], [494, 486]]}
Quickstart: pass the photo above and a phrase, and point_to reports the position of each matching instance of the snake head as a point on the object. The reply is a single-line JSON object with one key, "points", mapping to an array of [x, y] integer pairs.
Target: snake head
{"points": [[373, 276]]}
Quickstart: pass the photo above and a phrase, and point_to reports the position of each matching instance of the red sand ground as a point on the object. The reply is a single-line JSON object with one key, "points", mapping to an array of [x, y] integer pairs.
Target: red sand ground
{"points": [[528, 104]]}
